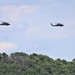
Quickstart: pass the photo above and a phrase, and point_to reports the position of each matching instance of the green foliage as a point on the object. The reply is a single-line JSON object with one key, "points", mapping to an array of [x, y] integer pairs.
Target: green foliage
{"points": [[20, 63]]}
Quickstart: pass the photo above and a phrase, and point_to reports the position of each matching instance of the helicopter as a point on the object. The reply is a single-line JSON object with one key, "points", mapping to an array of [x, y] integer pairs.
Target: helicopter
{"points": [[58, 24], [4, 23]]}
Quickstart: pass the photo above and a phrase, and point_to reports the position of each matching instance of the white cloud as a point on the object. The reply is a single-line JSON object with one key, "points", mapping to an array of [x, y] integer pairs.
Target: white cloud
{"points": [[5, 1], [12, 12], [4, 46], [27, 9], [44, 32], [46, 1]]}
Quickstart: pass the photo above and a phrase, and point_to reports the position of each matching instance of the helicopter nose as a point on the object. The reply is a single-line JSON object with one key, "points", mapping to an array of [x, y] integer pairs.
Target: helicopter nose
{"points": [[7, 24]]}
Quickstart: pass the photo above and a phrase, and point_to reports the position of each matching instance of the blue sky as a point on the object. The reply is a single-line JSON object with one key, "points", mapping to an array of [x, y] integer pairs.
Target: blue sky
{"points": [[30, 30]]}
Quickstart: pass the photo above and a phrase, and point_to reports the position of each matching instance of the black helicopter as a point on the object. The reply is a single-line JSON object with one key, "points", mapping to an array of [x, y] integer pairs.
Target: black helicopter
{"points": [[58, 24], [4, 23]]}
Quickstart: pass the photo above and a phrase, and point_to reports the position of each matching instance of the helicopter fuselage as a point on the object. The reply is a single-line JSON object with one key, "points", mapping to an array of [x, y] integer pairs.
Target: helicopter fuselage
{"points": [[58, 24]]}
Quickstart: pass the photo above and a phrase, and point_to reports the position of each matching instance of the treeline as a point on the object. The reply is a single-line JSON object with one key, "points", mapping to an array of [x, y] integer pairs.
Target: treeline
{"points": [[20, 63]]}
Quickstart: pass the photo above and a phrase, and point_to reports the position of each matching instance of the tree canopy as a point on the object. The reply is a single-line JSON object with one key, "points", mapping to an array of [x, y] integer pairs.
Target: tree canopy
{"points": [[20, 63]]}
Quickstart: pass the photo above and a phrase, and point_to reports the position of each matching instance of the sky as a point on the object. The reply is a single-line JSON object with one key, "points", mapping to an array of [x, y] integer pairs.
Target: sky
{"points": [[30, 30]]}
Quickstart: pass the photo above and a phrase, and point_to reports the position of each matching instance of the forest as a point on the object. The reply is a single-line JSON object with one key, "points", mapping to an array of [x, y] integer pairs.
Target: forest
{"points": [[20, 63]]}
